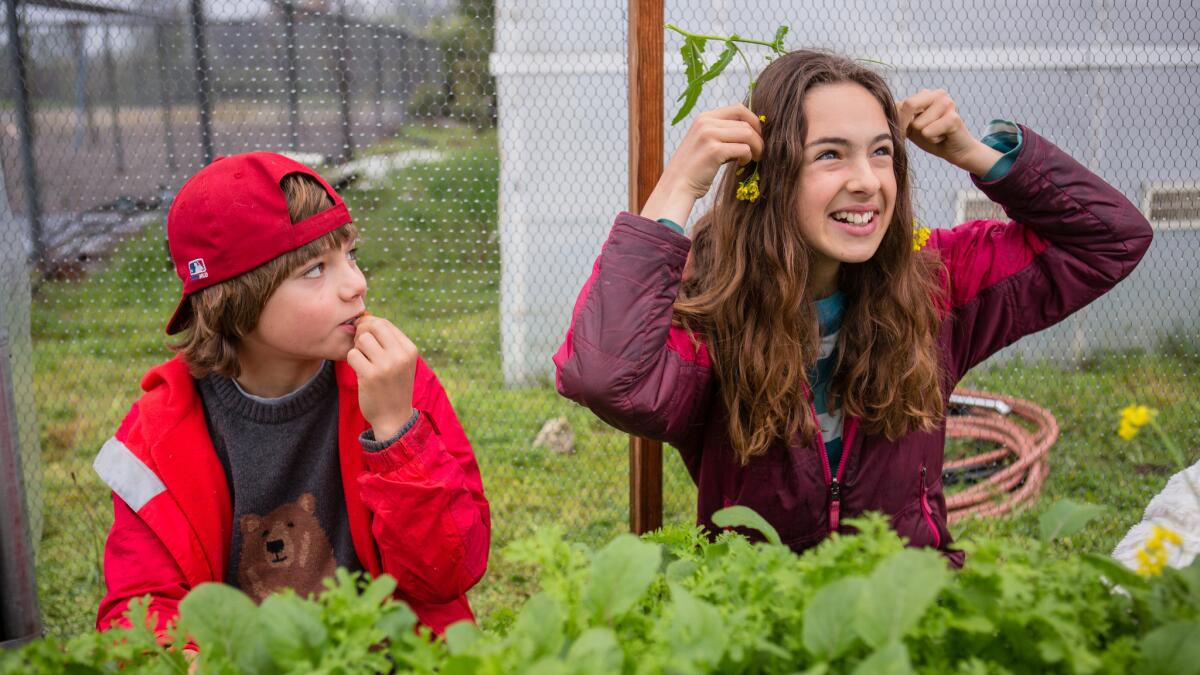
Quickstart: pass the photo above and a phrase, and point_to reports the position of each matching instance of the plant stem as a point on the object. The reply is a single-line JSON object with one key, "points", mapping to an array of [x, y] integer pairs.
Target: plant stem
{"points": [[1178, 456], [1176, 453], [749, 74], [722, 38]]}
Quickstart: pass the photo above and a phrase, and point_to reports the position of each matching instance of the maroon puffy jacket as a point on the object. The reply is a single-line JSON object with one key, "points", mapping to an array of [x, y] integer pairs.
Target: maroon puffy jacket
{"points": [[1072, 238]]}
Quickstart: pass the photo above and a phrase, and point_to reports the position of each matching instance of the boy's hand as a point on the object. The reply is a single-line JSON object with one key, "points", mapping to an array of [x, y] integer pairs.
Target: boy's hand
{"points": [[386, 362], [718, 136], [930, 120]]}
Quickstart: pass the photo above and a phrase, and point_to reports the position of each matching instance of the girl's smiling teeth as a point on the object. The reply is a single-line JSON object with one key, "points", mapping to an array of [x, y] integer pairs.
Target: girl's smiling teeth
{"points": [[854, 217]]}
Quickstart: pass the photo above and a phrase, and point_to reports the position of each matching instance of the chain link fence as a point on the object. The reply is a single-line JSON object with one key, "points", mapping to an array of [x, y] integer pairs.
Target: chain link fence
{"points": [[482, 148]]}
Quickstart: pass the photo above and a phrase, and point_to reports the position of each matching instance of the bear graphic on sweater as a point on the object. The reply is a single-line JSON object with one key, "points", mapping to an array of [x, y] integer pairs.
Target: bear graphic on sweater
{"points": [[287, 548]]}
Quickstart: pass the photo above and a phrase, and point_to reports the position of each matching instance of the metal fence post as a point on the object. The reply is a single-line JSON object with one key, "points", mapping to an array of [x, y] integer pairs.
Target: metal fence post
{"points": [[16, 50], [377, 50], [164, 85], [84, 124], [114, 101], [293, 80], [203, 81], [20, 618], [342, 61]]}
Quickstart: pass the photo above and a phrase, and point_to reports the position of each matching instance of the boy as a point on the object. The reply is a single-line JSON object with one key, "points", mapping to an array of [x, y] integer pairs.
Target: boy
{"points": [[293, 433]]}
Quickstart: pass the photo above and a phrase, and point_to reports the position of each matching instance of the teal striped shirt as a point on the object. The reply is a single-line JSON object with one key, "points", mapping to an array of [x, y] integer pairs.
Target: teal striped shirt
{"points": [[829, 316]]}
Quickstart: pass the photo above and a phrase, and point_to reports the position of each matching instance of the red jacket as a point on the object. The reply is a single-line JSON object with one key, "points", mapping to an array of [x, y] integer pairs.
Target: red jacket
{"points": [[1071, 239], [416, 509]]}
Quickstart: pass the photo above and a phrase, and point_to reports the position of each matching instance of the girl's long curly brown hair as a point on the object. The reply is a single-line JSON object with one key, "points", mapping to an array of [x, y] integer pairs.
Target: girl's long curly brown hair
{"points": [[746, 289]]}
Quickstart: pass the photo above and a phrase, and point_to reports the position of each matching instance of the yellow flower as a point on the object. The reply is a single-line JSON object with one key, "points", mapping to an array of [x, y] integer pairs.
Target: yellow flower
{"points": [[1168, 534], [1153, 557], [1133, 418], [920, 236], [1127, 431], [762, 118], [1137, 415], [1144, 562], [747, 190]]}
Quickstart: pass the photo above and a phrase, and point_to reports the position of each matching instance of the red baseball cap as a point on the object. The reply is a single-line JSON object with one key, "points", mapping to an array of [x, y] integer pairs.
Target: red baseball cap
{"points": [[232, 216]]}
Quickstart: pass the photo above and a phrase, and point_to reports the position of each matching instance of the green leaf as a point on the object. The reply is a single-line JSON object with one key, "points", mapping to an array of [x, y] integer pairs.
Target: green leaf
{"points": [[971, 623], [1114, 571], [292, 630], [830, 617], [540, 626], [621, 573], [693, 64], [398, 621], [461, 665], [891, 659], [723, 60], [689, 96], [681, 569], [779, 35], [899, 591], [1065, 518], [1173, 648], [461, 637], [547, 666], [216, 612], [695, 631], [224, 623], [692, 49], [741, 516], [378, 590], [596, 652]]}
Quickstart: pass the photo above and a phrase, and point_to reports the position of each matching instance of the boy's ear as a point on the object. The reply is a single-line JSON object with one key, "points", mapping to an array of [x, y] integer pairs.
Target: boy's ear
{"points": [[250, 523]]}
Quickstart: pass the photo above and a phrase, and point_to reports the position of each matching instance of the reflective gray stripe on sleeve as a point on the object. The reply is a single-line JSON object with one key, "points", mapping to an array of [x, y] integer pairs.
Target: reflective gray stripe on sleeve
{"points": [[127, 475]]}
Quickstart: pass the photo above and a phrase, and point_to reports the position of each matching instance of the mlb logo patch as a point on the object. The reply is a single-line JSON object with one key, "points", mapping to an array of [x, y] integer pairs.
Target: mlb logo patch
{"points": [[197, 270]]}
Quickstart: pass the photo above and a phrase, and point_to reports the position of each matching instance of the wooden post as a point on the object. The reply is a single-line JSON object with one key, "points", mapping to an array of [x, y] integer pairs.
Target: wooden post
{"points": [[645, 166]]}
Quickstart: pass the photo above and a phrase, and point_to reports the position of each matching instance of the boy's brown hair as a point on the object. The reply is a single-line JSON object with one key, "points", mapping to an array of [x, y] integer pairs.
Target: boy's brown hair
{"points": [[225, 313]]}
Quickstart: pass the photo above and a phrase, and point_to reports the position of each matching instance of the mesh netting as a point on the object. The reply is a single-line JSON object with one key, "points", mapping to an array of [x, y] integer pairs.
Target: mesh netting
{"points": [[482, 150]]}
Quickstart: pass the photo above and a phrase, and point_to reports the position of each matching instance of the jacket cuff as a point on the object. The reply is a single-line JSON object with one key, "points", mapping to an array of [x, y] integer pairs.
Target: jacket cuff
{"points": [[1005, 137], [370, 444], [654, 230], [404, 449], [1015, 185], [672, 224]]}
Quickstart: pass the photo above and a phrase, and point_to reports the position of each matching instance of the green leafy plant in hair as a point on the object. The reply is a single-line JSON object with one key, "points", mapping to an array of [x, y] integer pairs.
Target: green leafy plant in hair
{"points": [[699, 72]]}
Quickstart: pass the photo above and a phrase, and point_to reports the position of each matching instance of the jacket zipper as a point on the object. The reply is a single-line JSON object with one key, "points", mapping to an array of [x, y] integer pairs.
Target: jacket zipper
{"points": [[834, 480], [927, 512]]}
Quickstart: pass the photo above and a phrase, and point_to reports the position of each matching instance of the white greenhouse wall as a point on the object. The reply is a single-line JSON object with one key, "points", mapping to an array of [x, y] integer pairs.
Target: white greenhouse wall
{"points": [[1116, 87]]}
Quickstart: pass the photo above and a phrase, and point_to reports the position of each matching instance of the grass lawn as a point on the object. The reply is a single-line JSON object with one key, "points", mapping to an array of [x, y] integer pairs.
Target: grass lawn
{"points": [[432, 257]]}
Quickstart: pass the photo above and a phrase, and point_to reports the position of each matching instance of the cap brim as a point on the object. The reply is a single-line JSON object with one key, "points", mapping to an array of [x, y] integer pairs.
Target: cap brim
{"points": [[181, 318]]}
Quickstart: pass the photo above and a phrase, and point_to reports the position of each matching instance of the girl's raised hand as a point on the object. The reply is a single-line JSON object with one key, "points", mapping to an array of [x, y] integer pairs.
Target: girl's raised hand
{"points": [[930, 120], [729, 134]]}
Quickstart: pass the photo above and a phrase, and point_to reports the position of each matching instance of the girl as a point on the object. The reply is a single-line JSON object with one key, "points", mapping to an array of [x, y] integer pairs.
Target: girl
{"points": [[801, 348]]}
